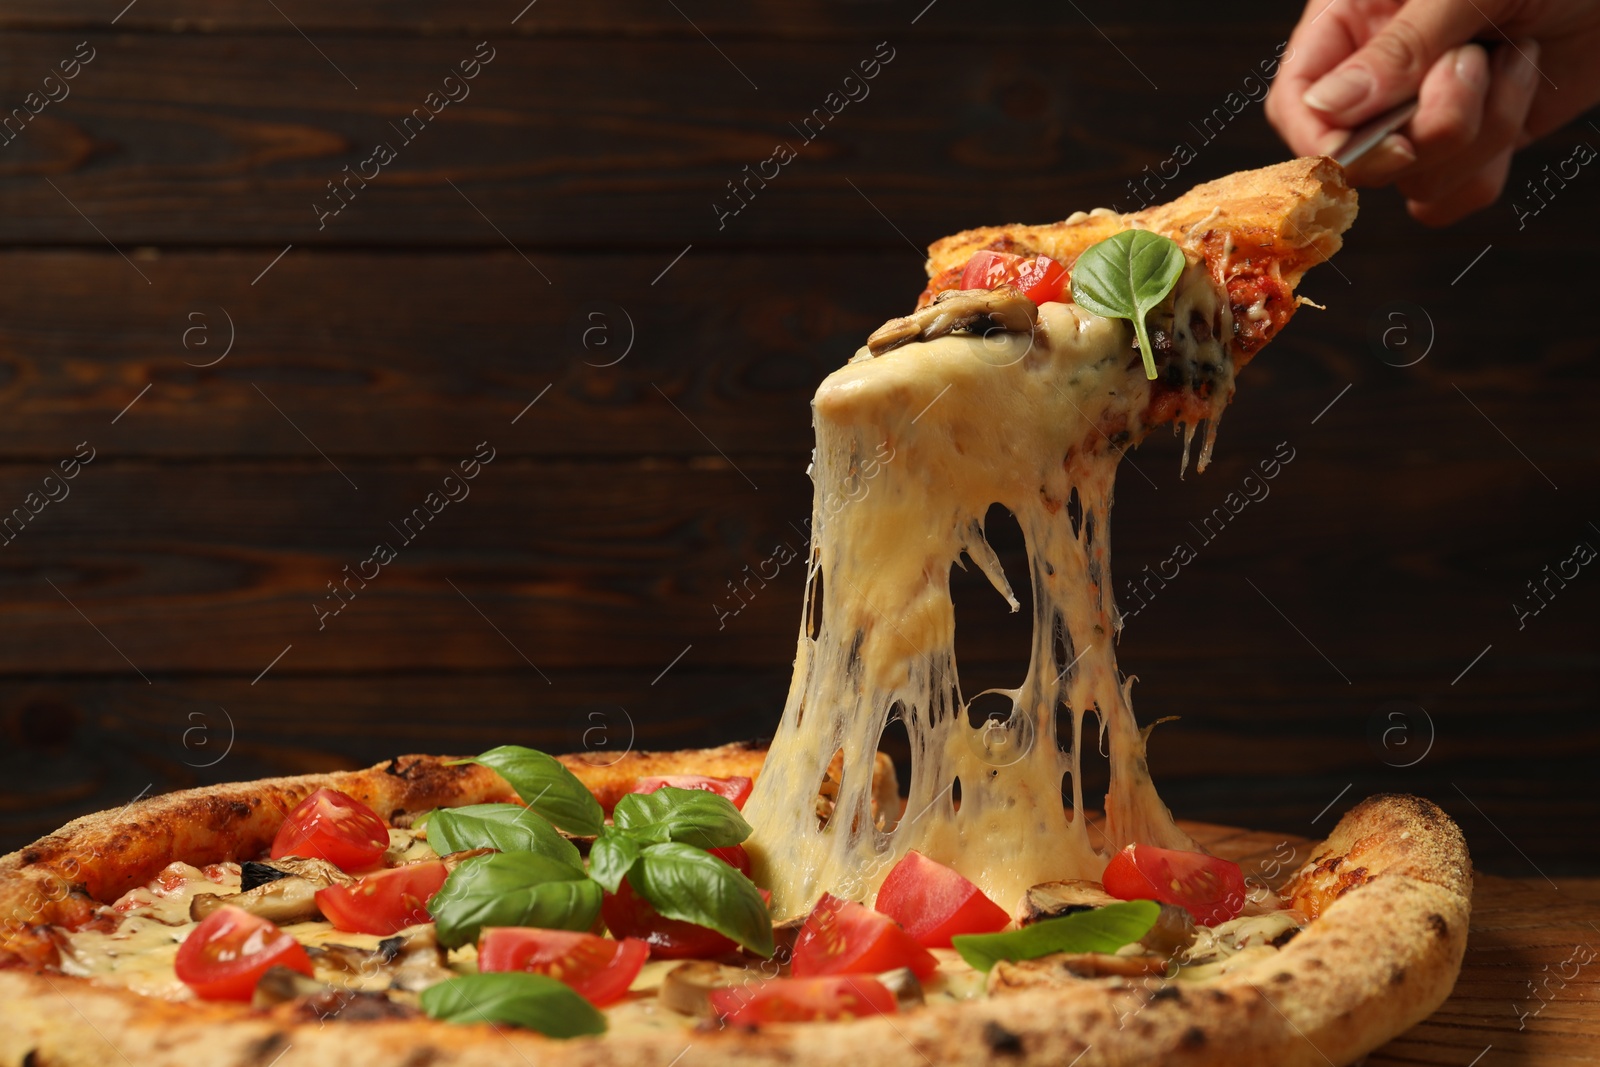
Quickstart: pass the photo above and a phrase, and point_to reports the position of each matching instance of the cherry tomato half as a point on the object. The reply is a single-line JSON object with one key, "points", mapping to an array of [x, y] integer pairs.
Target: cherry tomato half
{"points": [[224, 957], [1210, 889], [333, 826], [934, 902], [787, 1000], [843, 937], [599, 968], [1040, 278], [735, 789], [384, 902], [627, 914]]}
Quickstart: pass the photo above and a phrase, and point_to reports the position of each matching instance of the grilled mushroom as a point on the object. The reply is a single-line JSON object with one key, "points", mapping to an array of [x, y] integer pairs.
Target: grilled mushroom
{"points": [[289, 898], [902, 982], [687, 987], [1009, 976], [1005, 307]]}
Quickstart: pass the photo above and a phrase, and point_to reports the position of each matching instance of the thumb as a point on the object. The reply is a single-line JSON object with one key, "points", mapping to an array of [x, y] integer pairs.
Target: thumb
{"points": [[1390, 67]]}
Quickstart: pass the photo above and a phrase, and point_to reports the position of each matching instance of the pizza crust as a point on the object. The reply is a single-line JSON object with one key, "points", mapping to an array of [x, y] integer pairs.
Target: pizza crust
{"points": [[1297, 209], [1380, 957]]}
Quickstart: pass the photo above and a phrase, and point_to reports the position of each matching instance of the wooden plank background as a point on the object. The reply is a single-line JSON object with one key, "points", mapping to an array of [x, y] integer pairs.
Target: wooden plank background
{"points": [[553, 238]]}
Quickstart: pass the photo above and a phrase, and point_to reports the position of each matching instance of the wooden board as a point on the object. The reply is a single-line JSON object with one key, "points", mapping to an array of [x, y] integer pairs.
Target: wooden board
{"points": [[1529, 982]]}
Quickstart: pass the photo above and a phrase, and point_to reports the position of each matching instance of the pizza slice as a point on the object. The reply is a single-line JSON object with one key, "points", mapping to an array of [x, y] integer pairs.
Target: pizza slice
{"points": [[789, 905]]}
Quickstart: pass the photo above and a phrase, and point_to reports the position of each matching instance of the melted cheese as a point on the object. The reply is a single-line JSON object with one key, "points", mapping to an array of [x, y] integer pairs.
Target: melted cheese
{"points": [[1038, 424]]}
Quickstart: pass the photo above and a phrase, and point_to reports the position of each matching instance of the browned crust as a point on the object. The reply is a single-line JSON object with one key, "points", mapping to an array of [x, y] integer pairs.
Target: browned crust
{"points": [[1379, 958], [1297, 209]]}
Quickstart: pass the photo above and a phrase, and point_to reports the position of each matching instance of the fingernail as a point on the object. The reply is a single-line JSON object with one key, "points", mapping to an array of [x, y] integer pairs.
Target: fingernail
{"points": [[1472, 67], [1332, 141], [1387, 158], [1341, 90], [1525, 68]]}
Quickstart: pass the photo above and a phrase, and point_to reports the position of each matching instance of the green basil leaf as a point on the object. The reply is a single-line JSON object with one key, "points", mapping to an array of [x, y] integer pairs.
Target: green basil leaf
{"points": [[611, 858], [513, 889], [507, 827], [547, 787], [534, 1001], [1124, 277], [684, 882], [1101, 930], [691, 816]]}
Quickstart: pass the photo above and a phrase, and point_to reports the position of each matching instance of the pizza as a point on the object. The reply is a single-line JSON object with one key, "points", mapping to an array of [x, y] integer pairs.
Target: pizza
{"points": [[790, 902]]}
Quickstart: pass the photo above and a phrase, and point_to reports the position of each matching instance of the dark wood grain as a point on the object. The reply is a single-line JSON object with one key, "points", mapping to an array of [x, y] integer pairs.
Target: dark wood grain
{"points": [[385, 345]]}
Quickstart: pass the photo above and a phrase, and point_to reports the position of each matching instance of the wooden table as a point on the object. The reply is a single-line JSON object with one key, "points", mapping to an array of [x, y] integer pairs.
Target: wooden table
{"points": [[1529, 981]]}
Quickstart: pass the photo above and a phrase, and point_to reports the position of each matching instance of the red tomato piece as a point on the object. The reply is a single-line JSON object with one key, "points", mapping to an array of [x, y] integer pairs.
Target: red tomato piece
{"points": [[224, 957], [1039, 277], [333, 826], [790, 1000], [384, 902], [843, 937], [735, 789], [627, 914], [1210, 889], [934, 902], [599, 968]]}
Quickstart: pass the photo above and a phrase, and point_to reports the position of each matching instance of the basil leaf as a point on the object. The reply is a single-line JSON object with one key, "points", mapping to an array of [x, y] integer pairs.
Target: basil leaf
{"points": [[1124, 277], [1101, 930], [547, 787], [512, 889], [684, 882], [692, 816], [507, 827], [534, 1001], [611, 858]]}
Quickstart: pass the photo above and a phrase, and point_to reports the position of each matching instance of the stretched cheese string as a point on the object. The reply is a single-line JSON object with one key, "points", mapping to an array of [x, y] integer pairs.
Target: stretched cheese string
{"points": [[913, 447]]}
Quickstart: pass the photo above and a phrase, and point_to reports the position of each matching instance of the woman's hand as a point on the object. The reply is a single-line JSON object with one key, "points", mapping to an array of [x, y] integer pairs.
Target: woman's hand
{"points": [[1351, 60]]}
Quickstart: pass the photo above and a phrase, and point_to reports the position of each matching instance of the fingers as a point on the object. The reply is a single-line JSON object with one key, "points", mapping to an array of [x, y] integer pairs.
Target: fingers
{"points": [[1450, 108], [1391, 67], [1316, 47], [1478, 192], [1449, 184]]}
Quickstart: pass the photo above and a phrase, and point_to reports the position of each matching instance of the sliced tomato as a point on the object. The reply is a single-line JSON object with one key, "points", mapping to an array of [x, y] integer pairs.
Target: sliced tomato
{"points": [[735, 789], [333, 826], [1210, 889], [224, 957], [384, 902], [843, 937], [627, 914], [1040, 278], [934, 902], [792, 1000], [599, 968]]}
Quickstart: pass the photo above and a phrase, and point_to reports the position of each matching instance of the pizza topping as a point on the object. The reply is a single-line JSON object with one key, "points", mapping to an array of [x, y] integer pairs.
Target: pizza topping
{"points": [[533, 1001], [1125, 277], [934, 902], [547, 787], [384, 902], [333, 826], [1005, 308], [1059, 968], [1103, 930], [687, 987], [684, 906], [1210, 889], [788, 1000], [503, 827], [905, 985], [597, 967], [736, 789], [222, 958], [843, 937], [1173, 931], [513, 889], [1040, 278], [291, 898]]}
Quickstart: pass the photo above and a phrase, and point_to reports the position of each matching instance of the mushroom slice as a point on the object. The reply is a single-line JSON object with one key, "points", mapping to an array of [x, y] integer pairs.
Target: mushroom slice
{"points": [[902, 982], [1065, 967], [687, 987], [1005, 307], [279, 985]]}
